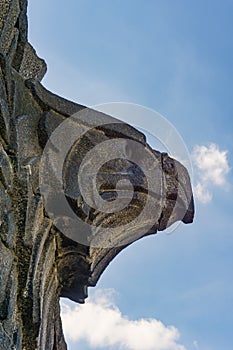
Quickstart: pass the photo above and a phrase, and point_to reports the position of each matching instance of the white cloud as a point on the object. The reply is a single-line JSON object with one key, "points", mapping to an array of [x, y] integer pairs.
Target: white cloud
{"points": [[196, 345], [101, 324], [212, 169], [202, 193]]}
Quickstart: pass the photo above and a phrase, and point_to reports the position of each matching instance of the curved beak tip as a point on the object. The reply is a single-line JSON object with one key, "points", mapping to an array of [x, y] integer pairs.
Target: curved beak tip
{"points": [[189, 215]]}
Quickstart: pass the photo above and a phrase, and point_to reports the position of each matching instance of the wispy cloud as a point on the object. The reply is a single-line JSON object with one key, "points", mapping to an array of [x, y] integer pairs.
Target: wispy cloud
{"points": [[212, 169], [196, 345], [101, 324]]}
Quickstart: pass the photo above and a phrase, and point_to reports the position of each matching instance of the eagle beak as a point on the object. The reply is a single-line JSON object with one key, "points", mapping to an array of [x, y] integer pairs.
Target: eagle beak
{"points": [[178, 197], [189, 215]]}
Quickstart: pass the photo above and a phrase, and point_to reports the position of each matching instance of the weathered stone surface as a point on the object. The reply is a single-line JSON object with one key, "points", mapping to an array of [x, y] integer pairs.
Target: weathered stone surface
{"points": [[38, 262]]}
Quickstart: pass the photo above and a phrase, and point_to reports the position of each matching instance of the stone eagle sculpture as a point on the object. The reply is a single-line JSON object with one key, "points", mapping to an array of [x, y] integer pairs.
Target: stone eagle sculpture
{"points": [[39, 260]]}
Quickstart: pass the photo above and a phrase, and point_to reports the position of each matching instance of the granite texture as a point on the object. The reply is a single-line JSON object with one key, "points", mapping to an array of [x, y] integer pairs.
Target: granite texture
{"points": [[38, 262]]}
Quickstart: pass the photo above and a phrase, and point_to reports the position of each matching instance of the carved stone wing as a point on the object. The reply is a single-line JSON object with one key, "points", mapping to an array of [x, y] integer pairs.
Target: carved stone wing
{"points": [[14, 43]]}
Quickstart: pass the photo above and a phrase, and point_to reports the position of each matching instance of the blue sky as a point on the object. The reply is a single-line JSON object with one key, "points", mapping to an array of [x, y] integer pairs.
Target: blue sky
{"points": [[176, 58]]}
